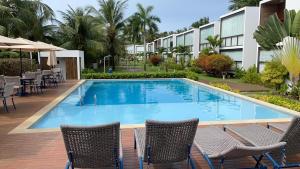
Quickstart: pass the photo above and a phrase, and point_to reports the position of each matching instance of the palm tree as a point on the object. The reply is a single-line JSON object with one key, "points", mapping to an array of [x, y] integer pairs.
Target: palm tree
{"points": [[28, 19], [112, 14], [268, 35], [148, 24], [132, 29], [237, 4], [289, 55], [214, 42], [81, 31]]}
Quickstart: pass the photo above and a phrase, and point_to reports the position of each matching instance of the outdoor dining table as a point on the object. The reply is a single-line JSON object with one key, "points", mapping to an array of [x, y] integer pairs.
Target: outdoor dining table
{"points": [[24, 82]]}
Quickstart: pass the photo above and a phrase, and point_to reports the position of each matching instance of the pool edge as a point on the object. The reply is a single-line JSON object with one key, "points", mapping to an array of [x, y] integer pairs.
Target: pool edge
{"points": [[23, 128]]}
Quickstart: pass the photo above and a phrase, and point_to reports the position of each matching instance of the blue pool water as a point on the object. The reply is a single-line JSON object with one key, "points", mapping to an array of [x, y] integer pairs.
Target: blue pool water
{"points": [[134, 101]]}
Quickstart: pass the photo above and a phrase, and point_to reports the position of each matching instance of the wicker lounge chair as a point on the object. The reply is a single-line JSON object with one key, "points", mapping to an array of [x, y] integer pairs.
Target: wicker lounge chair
{"points": [[93, 147], [217, 146], [165, 142], [279, 126], [260, 136]]}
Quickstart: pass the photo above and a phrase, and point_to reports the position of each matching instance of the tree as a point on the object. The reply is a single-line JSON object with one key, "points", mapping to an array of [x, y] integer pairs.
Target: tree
{"points": [[268, 35], [148, 24], [214, 42], [237, 4], [200, 22], [79, 30], [27, 19], [112, 14], [289, 55], [132, 30]]}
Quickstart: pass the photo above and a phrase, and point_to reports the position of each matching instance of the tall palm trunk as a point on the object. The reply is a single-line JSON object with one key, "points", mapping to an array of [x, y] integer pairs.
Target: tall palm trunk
{"points": [[145, 56]]}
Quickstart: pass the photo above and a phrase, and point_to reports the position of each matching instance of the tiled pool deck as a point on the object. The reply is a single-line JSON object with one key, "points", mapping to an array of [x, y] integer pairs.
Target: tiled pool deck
{"points": [[46, 150]]}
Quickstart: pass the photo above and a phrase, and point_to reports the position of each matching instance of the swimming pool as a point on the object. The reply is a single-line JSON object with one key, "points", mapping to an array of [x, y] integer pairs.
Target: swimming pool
{"points": [[135, 101]]}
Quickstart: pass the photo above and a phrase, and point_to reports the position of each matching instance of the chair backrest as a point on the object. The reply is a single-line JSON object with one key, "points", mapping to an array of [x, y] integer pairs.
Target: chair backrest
{"points": [[39, 79], [30, 75], [2, 81], [13, 79], [241, 151], [292, 137], [92, 147], [8, 90], [169, 141], [46, 72], [56, 70]]}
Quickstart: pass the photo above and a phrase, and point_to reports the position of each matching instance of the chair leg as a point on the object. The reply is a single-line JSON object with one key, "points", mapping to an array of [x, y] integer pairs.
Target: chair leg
{"points": [[13, 102], [141, 163], [5, 105]]}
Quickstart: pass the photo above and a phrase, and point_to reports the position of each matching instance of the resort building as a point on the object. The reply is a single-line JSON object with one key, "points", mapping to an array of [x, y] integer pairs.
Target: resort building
{"points": [[189, 39], [168, 43], [236, 31], [157, 44], [210, 29], [134, 49], [266, 9], [150, 47]]}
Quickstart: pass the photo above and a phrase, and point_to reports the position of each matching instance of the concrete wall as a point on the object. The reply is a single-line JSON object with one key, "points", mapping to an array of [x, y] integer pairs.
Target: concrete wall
{"points": [[292, 4], [250, 45]]}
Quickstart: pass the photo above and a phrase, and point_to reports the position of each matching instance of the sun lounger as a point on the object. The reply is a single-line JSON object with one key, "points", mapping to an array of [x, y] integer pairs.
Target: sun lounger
{"points": [[165, 142]]}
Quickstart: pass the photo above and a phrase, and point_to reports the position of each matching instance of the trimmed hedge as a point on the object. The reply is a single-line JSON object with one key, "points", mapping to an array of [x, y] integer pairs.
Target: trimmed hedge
{"points": [[280, 101], [134, 75], [11, 66]]}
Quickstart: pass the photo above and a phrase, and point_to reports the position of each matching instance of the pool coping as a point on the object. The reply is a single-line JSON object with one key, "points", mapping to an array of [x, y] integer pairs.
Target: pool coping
{"points": [[24, 127]]}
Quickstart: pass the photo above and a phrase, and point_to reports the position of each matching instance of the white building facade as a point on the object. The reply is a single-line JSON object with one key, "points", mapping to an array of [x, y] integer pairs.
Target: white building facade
{"points": [[207, 30], [189, 39]]}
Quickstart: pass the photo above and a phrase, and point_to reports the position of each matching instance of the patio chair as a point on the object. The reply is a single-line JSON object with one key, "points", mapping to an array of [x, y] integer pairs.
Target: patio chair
{"points": [[58, 74], [37, 84], [48, 77], [16, 81], [165, 142], [8, 91], [93, 147], [2, 82], [217, 146], [258, 135]]}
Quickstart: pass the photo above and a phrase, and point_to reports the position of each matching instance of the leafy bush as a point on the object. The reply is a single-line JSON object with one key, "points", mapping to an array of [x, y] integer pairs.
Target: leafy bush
{"points": [[274, 74], [214, 64], [223, 86], [192, 75], [134, 75], [87, 70], [11, 66], [251, 76], [239, 73], [280, 101], [155, 60]]}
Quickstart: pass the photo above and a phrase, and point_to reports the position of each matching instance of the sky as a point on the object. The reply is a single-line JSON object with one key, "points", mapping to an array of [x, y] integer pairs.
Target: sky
{"points": [[174, 14]]}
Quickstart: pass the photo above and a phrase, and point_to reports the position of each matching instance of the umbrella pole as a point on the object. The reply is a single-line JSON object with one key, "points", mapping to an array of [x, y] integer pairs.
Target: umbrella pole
{"points": [[21, 65]]}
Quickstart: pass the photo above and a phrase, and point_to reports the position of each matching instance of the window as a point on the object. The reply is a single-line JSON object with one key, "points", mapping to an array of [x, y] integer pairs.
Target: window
{"points": [[180, 40], [206, 32], [232, 25], [236, 55], [188, 39]]}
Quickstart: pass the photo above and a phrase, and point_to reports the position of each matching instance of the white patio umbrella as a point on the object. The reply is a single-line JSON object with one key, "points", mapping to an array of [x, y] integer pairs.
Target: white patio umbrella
{"points": [[5, 41], [52, 59]]}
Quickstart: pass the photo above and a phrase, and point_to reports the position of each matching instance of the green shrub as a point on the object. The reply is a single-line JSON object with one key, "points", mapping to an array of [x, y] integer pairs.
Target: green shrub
{"points": [[11, 66], [135, 75], [155, 60], [239, 73], [251, 76], [280, 101], [87, 70], [192, 75], [223, 86], [274, 74], [214, 64]]}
